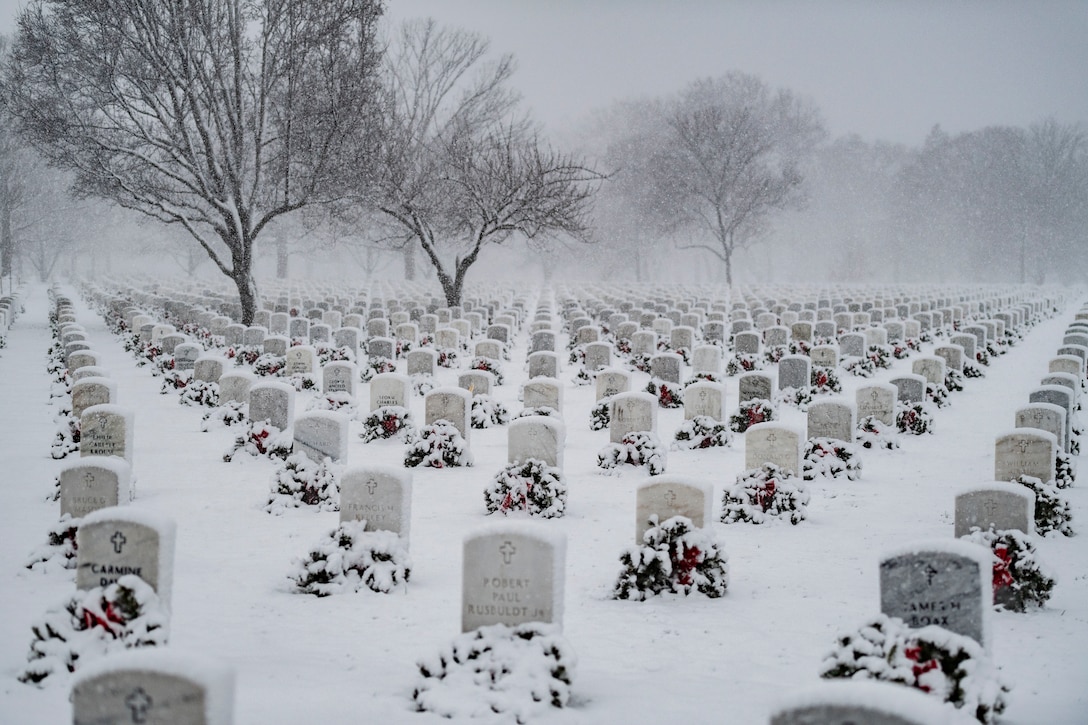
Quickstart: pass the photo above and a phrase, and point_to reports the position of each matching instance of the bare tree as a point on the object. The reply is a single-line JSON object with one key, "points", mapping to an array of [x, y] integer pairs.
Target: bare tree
{"points": [[215, 115], [733, 155], [460, 168]]}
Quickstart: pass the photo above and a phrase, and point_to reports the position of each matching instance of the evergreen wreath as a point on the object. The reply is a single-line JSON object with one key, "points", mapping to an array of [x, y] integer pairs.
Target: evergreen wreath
{"points": [[1064, 471], [423, 383], [703, 377], [914, 418], [94, 623], [830, 458], [1021, 581], [970, 370], [875, 433], [800, 347], [880, 356], [774, 353], [639, 448], [439, 445], [797, 397], [545, 410], [387, 421], [341, 401], [751, 412], [330, 353], [937, 394], [667, 394], [1052, 510], [901, 350], [60, 548], [175, 380], [743, 362], [600, 415], [640, 362], [861, 367], [302, 381], [201, 393], [66, 439], [350, 558], [983, 357], [529, 486], [824, 380], [269, 365], [244, 354], [376, 366], [447, 358], [702, 431], [953, 380], [261, 439], [1074, 439], [487, 412], [230, 413], [300, 481], [674, 557], [765, 494], [487, 365], [577, 353], [582, 377], [948, 666], [522, 670]]}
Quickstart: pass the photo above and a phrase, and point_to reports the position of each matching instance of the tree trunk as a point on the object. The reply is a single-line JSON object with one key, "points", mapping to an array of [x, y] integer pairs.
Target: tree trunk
{"points": [[410, 260], [7, 242], [728, 259], [281, 257], [247, 295]]}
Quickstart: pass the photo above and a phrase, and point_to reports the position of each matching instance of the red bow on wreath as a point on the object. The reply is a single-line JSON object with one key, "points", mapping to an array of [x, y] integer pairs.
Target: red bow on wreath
{"points": [[765, 495], [913, 653], [90, 619], [685, 563], [1002, 576], [755, 415]]}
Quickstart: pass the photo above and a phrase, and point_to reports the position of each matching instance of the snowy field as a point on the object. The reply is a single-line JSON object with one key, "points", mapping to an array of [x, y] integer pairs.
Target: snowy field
{"points": [[351, 658]]}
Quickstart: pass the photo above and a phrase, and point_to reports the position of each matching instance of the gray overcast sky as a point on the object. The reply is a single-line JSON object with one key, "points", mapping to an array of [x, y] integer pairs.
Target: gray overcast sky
{"points": [[887, 70]]}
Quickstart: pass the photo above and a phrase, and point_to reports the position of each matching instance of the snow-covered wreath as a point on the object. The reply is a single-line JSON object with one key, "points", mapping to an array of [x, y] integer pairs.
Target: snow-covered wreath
{"points": [[439, 445], [60, 547], [914, 418], [531, 487], [93, 623], [751, 412], [948, 666], [875, 433], [830, 458], [702, 431], [1052, 510], [261, 439], [668, 394], [487, 412], [1021, 581], [639, 448], [301, 481], [350, 558], [387, 421], [519, 670], [675, 557], [765, 494]]}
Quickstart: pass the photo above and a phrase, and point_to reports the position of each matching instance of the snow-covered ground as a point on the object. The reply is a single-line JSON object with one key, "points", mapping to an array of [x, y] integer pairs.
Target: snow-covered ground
{"points": [[351, 658]]}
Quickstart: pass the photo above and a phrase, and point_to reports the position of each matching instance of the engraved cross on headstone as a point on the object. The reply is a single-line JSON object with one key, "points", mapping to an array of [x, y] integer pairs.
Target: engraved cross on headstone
{"points": [[930, 573], [1024, 446], [139, 702], [507, 550], [670, 497], [88, 479], [991, 506], [119, 541], [371, 485], [772, 438]]}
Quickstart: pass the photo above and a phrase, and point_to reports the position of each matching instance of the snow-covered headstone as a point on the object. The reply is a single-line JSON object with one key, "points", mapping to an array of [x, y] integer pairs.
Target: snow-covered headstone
{"points": [[453, 405], [755, 386], [834, 418], [512, 573], [930, 367], [120, 540], [667, 496], [632, 412], [773, 443], [1003, 506], [339, 377], [704, 398], [844, 702], [272, 402], [612, 381], [153, 687], [794, 371], [943, 583], [598, 355], [380, 495], [877, 400], [476, 382], [1025, 452], [538, 436], [92, 391], [911, 388], [300, 360], [106, 430], [234, 386], [92, 483], [543, 393], [1045, 416], [321, 434]]}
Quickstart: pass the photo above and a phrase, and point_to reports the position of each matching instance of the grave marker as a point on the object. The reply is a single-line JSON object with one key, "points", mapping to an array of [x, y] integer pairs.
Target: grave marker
{"points": [[380, 495]]}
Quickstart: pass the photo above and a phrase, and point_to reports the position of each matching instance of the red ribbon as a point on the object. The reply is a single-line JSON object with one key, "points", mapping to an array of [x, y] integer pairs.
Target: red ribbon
{"points": [[1002, 576]]}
